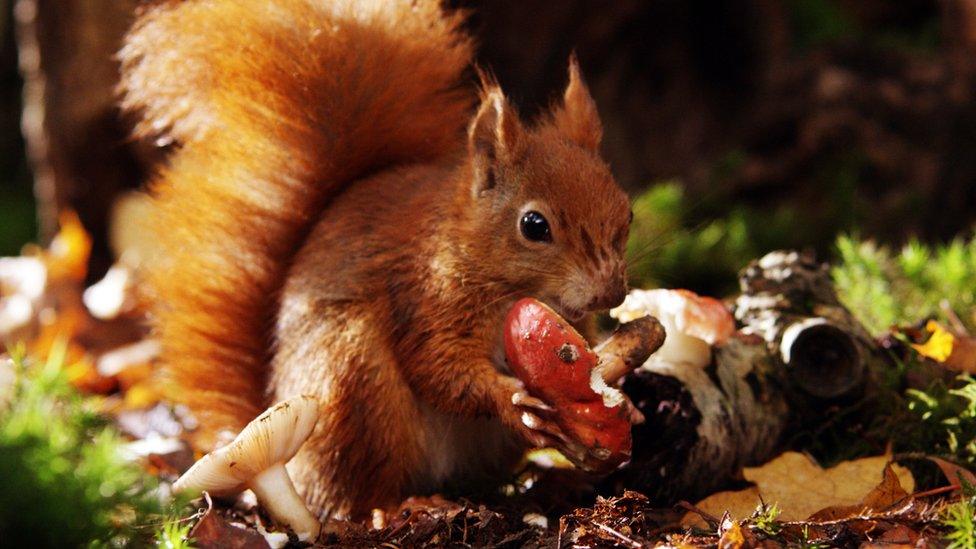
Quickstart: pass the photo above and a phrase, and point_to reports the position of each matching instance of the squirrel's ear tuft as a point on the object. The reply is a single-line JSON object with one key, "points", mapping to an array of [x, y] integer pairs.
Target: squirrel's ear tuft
{"points": [[577, 117], [495, 135]]}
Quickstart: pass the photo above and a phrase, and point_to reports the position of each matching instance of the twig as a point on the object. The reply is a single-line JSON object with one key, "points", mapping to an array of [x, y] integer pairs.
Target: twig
{"points": [[712, 520], [618, 535], [934, 492], [559, 535]]}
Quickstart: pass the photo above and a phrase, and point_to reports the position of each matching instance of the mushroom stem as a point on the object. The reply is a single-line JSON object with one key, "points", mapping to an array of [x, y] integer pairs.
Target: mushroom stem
{"points": [[277, 494], [628, 347]]}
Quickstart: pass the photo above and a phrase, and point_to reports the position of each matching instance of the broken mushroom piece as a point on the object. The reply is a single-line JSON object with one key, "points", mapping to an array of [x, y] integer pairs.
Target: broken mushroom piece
{"points": [[557, 365], [256, 460], [628, 348], [693, 323]]}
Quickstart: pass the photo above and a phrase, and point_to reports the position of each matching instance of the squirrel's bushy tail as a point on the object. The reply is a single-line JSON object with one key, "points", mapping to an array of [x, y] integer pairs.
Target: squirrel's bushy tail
{"points": [[272, 107]]}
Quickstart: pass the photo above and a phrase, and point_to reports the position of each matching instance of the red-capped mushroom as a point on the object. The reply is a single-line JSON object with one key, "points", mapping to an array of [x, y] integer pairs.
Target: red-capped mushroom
{"points": [[558, 366]]}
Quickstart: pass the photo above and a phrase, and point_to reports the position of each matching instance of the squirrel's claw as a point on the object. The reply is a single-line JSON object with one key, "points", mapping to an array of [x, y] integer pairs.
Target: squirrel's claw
{"points": [[523, 399]]}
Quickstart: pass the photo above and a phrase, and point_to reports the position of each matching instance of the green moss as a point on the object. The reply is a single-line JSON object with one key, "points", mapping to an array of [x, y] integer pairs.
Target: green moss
{"points": [[66, 482], [959, 520], [947, 419], [668, 248], [765, 520], [175, 534], [883, 288]]}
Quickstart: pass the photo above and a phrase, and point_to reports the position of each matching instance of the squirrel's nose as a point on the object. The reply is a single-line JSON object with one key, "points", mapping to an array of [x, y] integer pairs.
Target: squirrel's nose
{"points": [[613, 295]]}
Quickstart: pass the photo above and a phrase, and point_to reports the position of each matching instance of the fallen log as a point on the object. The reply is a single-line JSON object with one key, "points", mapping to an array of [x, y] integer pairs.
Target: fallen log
{"points": [[796, 352]]}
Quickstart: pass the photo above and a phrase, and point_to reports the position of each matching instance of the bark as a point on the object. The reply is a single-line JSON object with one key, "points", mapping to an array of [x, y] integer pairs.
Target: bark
{"points": [[77, 142], [797, 352]]}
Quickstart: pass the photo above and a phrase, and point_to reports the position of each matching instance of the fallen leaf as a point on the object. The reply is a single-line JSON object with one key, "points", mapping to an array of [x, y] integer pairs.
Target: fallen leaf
{"points": [[141, 395], [884, 495], [56, 328], [732, 537], [955, 474], [214, 531], [939, 345], [85, 377], [956, 352], [738, 503], [898, 537], [67, 257], [799, 487], [889, 492]]}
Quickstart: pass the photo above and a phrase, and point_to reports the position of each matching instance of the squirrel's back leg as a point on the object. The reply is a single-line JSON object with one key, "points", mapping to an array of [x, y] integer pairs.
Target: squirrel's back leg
{"points": [[369, 439]]}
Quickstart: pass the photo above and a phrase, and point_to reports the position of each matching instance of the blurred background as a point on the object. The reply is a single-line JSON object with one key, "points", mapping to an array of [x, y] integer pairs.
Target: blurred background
{"points": [[738, 126]]}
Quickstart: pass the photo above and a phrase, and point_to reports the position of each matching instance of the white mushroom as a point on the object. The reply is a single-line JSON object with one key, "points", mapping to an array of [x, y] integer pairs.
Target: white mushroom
{"points": [[22, 284], [256, 460], [693, 323], [112, 295]]}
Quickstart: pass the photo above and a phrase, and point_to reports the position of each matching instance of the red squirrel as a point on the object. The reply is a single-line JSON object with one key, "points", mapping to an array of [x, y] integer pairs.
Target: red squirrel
{"points": [[344, 216]]}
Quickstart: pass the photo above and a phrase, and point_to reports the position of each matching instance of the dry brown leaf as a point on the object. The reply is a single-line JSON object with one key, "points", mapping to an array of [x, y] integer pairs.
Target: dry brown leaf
{"points": [[954, 473], [739, 503], [880, 498], [889, 492], [67, 257], [898, 537], [799, 487], [215, 531], [83, 375]]}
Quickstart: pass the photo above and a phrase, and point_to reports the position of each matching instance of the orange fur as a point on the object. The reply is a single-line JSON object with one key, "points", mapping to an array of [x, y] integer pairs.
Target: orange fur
{"points": [[276, 108], [328, 228]]}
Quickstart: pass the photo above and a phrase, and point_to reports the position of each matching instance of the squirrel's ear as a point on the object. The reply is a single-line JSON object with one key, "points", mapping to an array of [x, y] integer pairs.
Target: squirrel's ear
{"points": [[496, 135], [577, 118]]}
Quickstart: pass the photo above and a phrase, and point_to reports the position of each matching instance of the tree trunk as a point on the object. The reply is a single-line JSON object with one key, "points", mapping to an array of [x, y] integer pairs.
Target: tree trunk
{"points": [[77, 143]]}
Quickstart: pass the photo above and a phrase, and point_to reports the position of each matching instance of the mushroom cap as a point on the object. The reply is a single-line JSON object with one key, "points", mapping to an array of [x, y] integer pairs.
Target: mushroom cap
{"points": [[693, 323], [272, 437], [698, 316]]}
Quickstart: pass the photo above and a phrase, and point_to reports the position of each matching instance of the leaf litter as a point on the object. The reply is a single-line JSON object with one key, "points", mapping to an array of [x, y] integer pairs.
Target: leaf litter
{"points": [[791, 500]]}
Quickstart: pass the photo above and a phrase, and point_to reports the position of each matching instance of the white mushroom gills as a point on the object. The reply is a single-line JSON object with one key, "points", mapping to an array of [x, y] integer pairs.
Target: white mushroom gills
{"points": [[256, 459]]}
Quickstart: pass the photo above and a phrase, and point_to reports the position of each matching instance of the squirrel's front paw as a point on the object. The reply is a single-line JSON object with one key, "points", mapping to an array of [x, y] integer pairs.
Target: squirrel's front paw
{"points": [[534, 420]]}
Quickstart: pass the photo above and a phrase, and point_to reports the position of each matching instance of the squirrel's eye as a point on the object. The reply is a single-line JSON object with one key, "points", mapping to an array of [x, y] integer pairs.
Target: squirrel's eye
{"points": [[534, 227]]}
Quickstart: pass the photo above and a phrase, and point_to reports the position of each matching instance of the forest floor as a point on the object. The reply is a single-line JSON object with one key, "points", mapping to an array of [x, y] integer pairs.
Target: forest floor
{"points": [[92, 449]]}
